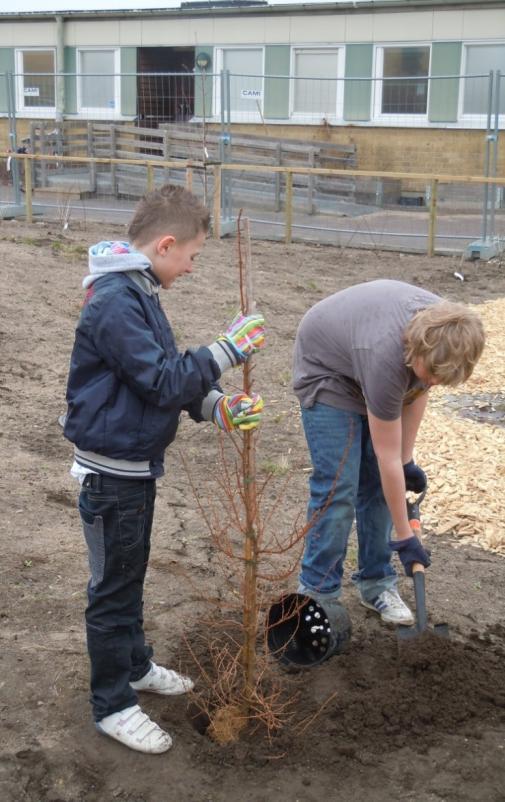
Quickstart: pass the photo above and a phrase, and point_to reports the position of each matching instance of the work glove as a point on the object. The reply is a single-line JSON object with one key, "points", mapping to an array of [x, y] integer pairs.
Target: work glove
{"points": [[410, 550], [244, 336], [237, 411], [415, 478]]}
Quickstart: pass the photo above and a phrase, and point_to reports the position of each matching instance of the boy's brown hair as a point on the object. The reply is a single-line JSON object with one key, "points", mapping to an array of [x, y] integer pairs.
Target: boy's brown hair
{"points": [[168, 210], [449, 338]]}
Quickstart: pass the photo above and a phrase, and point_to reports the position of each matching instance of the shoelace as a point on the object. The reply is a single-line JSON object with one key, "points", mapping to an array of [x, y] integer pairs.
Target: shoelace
{"points": [[392, 600]]}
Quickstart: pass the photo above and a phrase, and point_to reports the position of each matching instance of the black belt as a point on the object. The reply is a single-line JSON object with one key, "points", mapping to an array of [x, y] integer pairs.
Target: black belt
{"points": [[93, 481]]}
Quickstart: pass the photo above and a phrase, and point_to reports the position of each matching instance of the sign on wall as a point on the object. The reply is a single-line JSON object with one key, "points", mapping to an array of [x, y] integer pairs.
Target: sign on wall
{"points": [[251, 94]]}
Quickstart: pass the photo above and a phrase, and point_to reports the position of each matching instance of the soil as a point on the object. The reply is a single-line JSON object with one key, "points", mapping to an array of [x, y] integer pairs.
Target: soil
{"points": [[386, 721]]}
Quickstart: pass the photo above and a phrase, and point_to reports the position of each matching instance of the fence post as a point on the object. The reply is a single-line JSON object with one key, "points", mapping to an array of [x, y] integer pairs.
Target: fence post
{"points": [[11, 111], [33, 149], [278, 177], [189, 178], [28, 191], [166, 155], [288, 207], [432, 230], [91, 152], [113, 175], [150, 177], [494, 157], [43, 152], [487, 156], [310, 182], [216, 221]]}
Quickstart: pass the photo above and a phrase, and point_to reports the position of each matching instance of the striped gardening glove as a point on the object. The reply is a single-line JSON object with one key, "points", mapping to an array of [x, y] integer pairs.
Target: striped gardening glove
{"points": [[237, 411], [244, 336]]}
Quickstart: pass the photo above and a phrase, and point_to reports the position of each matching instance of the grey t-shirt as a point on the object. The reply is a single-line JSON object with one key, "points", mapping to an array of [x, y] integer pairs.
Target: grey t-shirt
{"points": [[349, 350]]}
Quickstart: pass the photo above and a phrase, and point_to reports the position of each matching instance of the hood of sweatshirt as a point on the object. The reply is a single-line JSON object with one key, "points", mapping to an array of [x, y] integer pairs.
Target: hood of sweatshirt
{"points": [[114, 257]]}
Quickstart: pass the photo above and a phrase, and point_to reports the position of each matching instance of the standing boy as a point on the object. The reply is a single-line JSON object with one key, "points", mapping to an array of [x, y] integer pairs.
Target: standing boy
{"points": [[126, 389], [364, 361]]}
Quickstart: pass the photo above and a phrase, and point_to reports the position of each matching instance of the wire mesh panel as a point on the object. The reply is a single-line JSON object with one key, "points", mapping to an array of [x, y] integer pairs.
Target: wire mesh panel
{"points": [[117, 121]]}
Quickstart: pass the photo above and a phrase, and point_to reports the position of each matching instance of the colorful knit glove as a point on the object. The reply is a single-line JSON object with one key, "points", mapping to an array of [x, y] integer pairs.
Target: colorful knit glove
{"points": [[238, 411], [245, 335]]}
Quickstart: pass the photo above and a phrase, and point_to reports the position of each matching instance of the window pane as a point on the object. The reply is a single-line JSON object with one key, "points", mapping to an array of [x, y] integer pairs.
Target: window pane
{"points": [[97, 79], [481, 59], [405, 96], [315, 96], [246, 69], [38, 90]]}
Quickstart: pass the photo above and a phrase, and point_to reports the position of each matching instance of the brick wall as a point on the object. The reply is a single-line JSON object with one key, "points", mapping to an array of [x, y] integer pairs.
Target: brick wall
{"points": [[416, 150]]}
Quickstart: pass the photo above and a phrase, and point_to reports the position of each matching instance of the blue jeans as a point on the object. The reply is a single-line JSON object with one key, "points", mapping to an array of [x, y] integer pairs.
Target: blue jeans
{"points": [[117, 517], [345, 482]]}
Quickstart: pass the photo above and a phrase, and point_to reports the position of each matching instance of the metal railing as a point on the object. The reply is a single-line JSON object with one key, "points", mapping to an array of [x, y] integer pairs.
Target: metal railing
{"points": [[166, 119]]}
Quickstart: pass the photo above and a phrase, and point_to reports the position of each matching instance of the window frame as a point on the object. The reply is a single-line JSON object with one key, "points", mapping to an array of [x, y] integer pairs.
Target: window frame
{"points": [[237, 116], [32, 111], [99, 111], [477, 120], [337, 117], [402, 120]]}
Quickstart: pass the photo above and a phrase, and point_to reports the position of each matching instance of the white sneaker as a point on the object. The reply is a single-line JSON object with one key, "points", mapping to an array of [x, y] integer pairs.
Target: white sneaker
{"points": [[164, 681], [391, 608], [133, 728]]}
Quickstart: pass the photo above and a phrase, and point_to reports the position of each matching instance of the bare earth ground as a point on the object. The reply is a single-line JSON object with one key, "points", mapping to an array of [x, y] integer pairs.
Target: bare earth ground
{"points": [[423, 723]]}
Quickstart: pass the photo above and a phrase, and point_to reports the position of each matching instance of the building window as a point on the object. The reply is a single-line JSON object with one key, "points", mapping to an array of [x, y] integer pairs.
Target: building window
{"points": [[35, 84], [98, 88], [405, 72], [245, 67], [315, 90], [479, 62]]}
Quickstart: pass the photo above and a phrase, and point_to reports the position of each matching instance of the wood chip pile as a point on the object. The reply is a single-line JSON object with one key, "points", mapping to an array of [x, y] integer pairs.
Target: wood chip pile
{"points": [[464, 458]]}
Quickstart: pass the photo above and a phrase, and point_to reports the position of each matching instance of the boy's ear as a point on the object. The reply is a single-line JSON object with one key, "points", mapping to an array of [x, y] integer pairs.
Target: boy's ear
{"points": [[164, 244]]}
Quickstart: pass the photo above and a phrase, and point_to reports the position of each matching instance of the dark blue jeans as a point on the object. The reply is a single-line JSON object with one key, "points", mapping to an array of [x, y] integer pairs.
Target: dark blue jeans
{"points": [[345, 483], [117, 516]]}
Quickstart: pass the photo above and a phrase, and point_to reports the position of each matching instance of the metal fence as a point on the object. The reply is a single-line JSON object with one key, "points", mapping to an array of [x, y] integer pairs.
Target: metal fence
{"points": [[119, 134]]}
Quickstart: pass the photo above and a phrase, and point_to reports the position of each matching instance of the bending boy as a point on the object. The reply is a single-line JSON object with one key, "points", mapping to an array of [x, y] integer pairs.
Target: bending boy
{"points": [[127, 387], [365, 359]]}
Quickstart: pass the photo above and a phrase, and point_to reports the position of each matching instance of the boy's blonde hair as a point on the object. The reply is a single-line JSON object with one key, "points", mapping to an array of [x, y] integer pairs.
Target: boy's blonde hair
{"points": [[168, 210], [449, 338]]}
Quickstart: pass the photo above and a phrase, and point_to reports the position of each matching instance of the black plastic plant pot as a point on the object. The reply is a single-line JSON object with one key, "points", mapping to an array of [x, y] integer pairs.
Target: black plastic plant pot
{"points": [[302, 632]]}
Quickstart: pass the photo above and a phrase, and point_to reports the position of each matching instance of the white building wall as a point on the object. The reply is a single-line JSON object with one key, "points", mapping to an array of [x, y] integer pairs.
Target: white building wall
{"points": [[21, 34], [400, 26]]}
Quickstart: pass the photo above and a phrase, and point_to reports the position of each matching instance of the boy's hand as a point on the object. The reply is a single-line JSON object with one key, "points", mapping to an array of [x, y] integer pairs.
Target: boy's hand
{"points": [[415, 478], [411, 550], [238, 411], [245, 335]]}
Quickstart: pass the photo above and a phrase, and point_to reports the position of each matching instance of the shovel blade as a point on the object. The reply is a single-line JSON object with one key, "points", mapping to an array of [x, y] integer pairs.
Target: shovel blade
{"points": [[442, 630], [409, 633]]}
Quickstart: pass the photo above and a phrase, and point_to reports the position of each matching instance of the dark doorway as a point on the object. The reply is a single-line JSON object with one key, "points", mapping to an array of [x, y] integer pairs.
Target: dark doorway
{"points": [[165, 84]]}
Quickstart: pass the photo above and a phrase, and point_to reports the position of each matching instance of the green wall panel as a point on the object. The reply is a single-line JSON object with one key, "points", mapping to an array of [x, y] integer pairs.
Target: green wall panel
{"points": [[276, 100], [358, 94], [7, 64], [70, 66], [443, 103], [128, 82], [203, 84]]}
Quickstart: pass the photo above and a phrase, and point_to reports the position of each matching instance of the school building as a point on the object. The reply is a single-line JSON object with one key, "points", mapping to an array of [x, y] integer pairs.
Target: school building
{"points": [[412, 84]]}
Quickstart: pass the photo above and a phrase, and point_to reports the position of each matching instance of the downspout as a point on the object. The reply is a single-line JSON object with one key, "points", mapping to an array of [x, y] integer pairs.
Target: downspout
{"points": [[60, 67]]}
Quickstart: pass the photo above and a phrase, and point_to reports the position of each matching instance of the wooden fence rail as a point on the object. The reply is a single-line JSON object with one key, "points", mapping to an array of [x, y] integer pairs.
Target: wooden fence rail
{"points": [[217, 169]]}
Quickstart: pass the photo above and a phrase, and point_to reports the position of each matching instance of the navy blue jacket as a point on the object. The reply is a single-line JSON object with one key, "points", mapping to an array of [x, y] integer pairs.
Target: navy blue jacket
{"points": [[127, 382]]}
